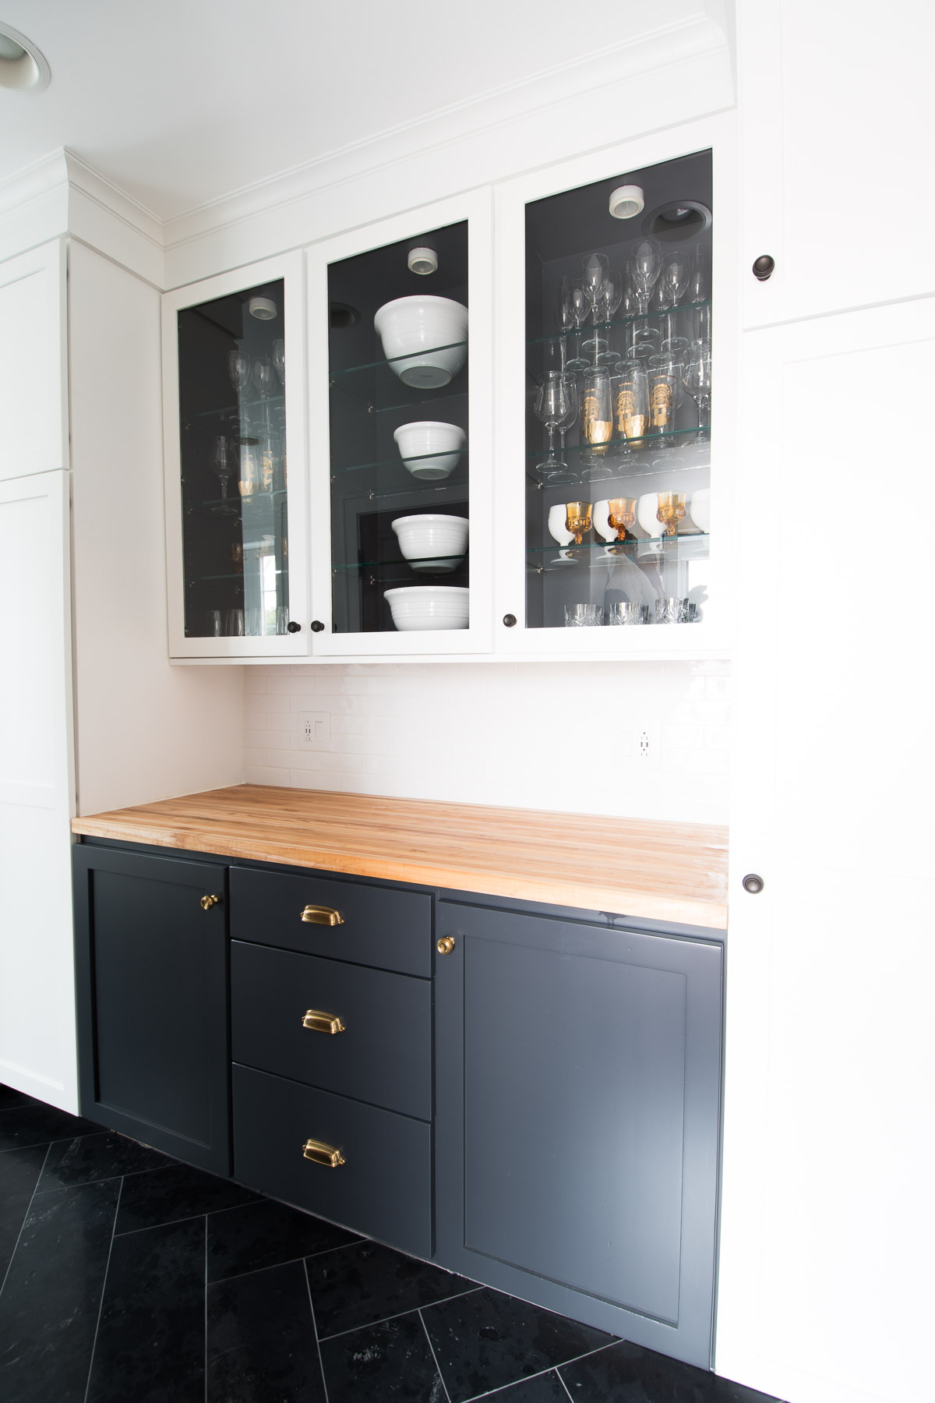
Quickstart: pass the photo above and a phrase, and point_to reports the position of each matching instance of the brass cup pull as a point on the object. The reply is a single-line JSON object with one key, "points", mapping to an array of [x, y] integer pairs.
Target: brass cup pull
{"points": [[445, 944], [208, 901], [320, 1022], [320, 1153], [322, 916]]}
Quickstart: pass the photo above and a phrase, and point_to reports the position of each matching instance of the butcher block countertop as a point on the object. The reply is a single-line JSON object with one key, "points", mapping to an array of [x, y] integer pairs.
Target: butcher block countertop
{"points": [[633, 867]]}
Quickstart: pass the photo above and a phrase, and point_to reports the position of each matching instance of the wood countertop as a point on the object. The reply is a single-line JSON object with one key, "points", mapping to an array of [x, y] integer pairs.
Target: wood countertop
{"points": [[633, 867]]}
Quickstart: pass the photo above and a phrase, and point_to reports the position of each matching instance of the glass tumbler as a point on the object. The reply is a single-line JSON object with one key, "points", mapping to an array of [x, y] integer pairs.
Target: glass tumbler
{"points": [[597, 420], [583, 615], [631, 404], [625, 613]]}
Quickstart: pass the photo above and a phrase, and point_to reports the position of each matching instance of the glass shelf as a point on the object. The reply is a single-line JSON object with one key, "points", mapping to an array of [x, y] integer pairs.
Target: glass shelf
{"points": [[404, 566], [394, 360], [232, 410], [687, 546], [393, 389], [397, 462], [590, 330]]}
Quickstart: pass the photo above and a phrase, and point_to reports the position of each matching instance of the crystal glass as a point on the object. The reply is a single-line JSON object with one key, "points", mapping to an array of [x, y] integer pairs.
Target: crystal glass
{"points": [[672, 611], [555, 403], [224, 469], [698, 380], [580, 311], [583, 615], [578, 520], [279, 361], [673, 281], [597, 420], [240, 369], [608, 300], [671, 511], [621, 513], [625, 613], [631, 404], [665, 379], [594, 270]]}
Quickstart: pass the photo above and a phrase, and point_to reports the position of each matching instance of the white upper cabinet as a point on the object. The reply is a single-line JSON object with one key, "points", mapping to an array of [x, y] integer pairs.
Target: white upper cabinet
{"points": [[33, 366], [400, 377], [612, 454], [237, 465], [835, 100]]}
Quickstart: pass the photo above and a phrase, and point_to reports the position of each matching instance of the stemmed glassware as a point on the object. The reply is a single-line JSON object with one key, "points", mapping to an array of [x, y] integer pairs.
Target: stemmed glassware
{"points": [[578, 520], [580, 311], [556, 402], [671, 510], [224, 469], [631, 404], [621, 513], [698, 380], [643, 269], [597, 419], [565, 318], [673, 280], [608, 300], [279, 361]]}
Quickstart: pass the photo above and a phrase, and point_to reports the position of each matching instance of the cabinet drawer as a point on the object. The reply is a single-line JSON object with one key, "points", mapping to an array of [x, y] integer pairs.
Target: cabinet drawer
{"points": [[381, 927], [384, 1053], [384, 1186]]}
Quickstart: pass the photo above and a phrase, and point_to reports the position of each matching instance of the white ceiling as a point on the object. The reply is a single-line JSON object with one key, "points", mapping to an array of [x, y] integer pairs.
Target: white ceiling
{"points": [[183, 101]]}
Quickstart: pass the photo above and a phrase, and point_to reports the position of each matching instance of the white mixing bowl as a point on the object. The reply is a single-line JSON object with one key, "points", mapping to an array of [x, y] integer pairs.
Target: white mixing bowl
{"points": [[432, 542], [428, 606], [429, 449], [413, 329]]}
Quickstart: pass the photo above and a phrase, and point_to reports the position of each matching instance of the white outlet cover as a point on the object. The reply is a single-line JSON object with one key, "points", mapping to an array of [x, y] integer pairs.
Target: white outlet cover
{"points": [[313, 730]]}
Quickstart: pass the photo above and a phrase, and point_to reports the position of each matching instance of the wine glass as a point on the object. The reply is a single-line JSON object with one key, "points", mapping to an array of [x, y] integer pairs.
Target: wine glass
{"points": [[664, 380], [578, 520], [279, 361], [621, 513], [671, 510], [264, 377], [593, 272], [643, 271], [240, 369], [673, 280], [224, 468], [564, 317], [699, 284], [631, 404], [608, 300], [698, 380], [580, 311], [554, 399], [597, 419]]}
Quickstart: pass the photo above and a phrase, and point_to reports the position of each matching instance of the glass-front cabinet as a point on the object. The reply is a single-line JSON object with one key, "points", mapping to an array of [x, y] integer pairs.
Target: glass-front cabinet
{"points": [[607, 364], [400, 382], [236, 465]]}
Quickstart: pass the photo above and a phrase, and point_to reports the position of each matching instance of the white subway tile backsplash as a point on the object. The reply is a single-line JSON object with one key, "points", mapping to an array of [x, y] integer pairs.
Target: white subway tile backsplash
{"points": [[554, 736]]}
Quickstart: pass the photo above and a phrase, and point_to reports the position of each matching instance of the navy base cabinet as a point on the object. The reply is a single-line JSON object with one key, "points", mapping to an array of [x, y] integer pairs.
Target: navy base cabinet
{"points": [[577, 1094], [151, 971]]}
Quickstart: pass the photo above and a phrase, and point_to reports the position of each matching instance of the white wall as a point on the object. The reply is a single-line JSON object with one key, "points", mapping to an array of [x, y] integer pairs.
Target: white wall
{"points": [[532, 735], [145, 730]]}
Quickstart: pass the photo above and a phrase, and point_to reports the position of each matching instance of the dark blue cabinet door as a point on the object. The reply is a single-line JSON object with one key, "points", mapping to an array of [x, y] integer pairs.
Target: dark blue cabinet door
{"points": [[151, 972], [578, 1087]]}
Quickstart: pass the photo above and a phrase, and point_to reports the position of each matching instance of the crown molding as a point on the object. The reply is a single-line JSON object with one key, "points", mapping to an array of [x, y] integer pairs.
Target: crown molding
{"points": [[698, 37], [34, 205], [110, 220]]}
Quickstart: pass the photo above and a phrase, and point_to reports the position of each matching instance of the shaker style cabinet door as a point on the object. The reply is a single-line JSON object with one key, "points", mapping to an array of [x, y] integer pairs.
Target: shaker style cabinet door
{"points": [[613, 450], [577, 1098], [33, 362], [151, 977], [400, 386], [236, 464]]}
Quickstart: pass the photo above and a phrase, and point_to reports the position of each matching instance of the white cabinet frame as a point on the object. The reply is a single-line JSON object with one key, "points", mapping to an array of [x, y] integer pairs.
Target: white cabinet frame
{"points": [[34, 361], [290, 268], [710, 637], [476, 208]]}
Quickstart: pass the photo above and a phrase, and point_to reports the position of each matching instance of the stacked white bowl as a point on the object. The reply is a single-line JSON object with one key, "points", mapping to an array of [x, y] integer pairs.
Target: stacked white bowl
{"points": [[424, 339], [428, 606], [432, 542], [429, 449]]}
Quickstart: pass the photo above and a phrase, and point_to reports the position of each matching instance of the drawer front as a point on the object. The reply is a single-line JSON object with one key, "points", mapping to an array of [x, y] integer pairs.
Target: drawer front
{"points": [[384, 1053], [384, 1187], [380, 927]]}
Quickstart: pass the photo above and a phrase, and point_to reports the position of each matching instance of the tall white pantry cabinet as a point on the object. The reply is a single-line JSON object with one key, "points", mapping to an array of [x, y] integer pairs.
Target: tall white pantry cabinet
{"points": [[824, 1291]]}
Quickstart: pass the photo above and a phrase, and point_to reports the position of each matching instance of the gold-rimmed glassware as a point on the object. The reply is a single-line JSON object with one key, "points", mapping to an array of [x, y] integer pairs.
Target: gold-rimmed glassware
{"points": [[631, 404], [621, 514], [578, 520], [671, 510]]}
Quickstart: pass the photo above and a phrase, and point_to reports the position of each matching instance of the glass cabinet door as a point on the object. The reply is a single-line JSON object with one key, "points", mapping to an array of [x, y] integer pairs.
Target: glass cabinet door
{"points": [[234, 487], [399, 417], [618, 400]]}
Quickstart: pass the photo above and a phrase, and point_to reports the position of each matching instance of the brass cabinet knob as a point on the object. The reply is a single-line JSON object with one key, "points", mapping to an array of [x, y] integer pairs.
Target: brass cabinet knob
{"points": [[445, 944], [322, 916], [208, 901], [320, 1153], [320, 1022]]}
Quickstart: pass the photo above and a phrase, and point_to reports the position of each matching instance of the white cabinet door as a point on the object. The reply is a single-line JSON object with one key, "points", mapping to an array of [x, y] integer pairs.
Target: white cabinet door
{"points": [[37, 998], [518, 365], [836, 120], [33, 350], [825, 1290], [357, 403], [237, 528]]}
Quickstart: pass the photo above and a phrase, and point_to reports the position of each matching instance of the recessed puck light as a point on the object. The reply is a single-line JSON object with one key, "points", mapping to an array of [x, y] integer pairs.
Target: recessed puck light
{"points": [[626, 201], [422, 260], [263, 308], [22, 67]]}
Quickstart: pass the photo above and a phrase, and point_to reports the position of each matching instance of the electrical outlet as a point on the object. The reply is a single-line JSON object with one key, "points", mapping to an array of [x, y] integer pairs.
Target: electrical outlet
{"points": [[314, 729], [647, 748]]}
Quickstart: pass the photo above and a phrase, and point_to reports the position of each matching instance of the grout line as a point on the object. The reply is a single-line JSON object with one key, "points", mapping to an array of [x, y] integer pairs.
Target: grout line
{"points": [[434, 1355], [367, 1324], [26, 1214], [311, 1306], [100, 1308], [564, 1385], [551, 1368], [270, 1266], [151, 1227]]}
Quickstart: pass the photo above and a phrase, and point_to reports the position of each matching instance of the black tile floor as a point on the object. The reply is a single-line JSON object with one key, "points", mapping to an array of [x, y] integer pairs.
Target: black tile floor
{"points": [[130, 1278]]}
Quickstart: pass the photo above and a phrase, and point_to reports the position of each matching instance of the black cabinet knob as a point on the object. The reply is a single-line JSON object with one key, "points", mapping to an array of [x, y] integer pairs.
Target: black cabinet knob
{"points": [[293, 627], [763, 267], [753, 884], [509, 620], [317, 626]]}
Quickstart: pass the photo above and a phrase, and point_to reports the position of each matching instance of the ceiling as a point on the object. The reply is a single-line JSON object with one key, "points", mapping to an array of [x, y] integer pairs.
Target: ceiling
{"points": [[185, 101]]}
